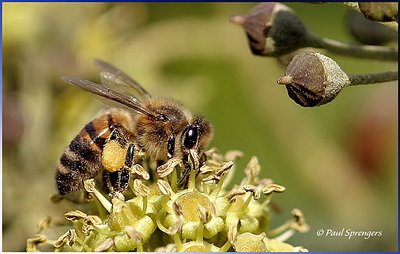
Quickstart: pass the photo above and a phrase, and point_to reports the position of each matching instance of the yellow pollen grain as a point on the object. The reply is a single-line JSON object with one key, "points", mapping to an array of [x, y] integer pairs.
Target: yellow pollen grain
{"points": [[113, 157]]}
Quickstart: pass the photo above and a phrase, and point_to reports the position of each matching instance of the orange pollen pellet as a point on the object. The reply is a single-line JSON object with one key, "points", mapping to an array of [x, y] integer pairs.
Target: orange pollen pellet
{"points": [[113, 157]]}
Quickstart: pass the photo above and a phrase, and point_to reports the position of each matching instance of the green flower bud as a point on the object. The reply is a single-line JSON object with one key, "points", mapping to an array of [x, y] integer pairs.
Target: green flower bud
{"points": [[273, 29], [313, 79], [367, 31], [248, 242], [278, 246]]}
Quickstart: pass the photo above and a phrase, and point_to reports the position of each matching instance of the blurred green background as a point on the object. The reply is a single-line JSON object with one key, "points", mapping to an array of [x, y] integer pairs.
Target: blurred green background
{"points": [[338, 162]]}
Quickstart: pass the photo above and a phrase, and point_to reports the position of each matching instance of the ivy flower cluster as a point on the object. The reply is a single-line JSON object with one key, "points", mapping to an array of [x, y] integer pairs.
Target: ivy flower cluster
{"points": [[159, 215]]}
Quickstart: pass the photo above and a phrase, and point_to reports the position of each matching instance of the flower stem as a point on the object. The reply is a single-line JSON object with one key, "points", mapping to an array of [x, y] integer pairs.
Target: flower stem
{"points": [[373, 78], [355, 50], [106, 204], [192, 180], [226, 246], [279, 230], [200, 233], [285, 236]]}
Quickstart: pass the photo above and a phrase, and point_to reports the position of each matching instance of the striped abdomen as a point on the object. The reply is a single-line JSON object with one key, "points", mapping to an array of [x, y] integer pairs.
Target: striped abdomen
{"points": [[81, 160]]}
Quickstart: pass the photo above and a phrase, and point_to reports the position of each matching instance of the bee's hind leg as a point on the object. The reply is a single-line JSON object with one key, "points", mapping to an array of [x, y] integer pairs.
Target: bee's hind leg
{"points": [[118, 181]]}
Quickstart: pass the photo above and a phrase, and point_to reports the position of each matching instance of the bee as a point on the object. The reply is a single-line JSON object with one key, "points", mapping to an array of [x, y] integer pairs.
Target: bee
{"points": [[158, 128]]}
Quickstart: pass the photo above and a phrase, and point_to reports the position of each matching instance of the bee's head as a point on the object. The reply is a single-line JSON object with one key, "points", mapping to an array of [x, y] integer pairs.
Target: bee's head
{"points": [[196, 135], [171, 131]]}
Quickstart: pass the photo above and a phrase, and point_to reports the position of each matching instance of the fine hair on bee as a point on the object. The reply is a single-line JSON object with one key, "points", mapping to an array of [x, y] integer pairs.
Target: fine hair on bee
{"points": [[155, 128]]}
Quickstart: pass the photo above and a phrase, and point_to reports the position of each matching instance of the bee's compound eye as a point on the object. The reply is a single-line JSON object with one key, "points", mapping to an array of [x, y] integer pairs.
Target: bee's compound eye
{"points": [[190, 138]]}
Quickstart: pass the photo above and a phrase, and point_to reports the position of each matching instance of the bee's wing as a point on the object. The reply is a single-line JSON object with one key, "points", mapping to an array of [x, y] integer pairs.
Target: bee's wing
{"points": [[103, 91], [111, 75]]}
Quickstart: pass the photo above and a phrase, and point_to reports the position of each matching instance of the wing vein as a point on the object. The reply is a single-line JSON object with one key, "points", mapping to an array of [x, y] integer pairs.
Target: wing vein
{"points": [[106, 92]]}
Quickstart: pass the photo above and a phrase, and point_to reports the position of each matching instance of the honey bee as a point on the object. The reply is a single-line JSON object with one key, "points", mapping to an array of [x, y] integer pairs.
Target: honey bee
{"points": [[159, 128]]}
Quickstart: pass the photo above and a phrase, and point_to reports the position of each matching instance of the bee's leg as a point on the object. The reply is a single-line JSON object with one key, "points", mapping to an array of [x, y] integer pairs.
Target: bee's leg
{"points": [[106, 179], [191, 161], [130, 154], [118, 136], [117, 181], [184, 180]]}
